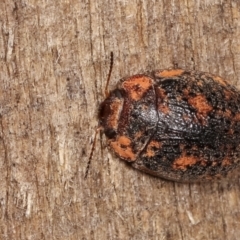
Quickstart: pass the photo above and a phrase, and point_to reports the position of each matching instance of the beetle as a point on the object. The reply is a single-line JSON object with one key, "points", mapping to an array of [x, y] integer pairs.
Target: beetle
{"points": [[176, 124]]}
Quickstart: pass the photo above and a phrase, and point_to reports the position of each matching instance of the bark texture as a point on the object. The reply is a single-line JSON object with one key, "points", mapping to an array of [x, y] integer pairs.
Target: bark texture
{"points": [[54, 61]]}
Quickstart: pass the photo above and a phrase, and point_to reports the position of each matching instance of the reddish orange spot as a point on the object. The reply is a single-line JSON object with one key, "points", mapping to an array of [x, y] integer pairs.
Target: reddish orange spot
{"points": [[226, 162], [155, 144], [219, 80], [150, 151], [184, 161], [201, 104], [116, 108], [136, 86], [169, 73], [163, 108], [122, 146]]}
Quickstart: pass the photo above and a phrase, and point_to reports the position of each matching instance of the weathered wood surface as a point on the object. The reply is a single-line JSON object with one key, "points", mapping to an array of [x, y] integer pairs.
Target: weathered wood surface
{"points": [[54, 59]]}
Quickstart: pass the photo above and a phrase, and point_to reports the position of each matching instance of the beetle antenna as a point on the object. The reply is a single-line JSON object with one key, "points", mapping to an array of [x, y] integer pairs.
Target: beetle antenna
{"points": [[109, 75], [92, 150], [99, 128]]}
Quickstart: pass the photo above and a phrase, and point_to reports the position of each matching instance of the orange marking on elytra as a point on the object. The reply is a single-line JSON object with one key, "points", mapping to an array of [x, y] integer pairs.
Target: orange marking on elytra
{"points": [[219, 80], [201, 104], [116, 108], [184, 161], [170, 73], [122, 146], [150, 152], [136, 86]]}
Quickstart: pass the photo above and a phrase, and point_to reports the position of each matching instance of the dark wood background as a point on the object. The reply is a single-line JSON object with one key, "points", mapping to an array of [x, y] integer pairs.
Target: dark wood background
{"points": [[54, 61]]}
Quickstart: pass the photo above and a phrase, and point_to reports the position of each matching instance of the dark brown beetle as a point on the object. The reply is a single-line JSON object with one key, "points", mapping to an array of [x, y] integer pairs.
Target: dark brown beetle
{"points": [[175, 124]]}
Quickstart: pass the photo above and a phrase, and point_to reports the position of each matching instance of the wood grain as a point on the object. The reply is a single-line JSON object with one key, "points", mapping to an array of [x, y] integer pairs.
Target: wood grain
{"points": [[54, 61]]}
